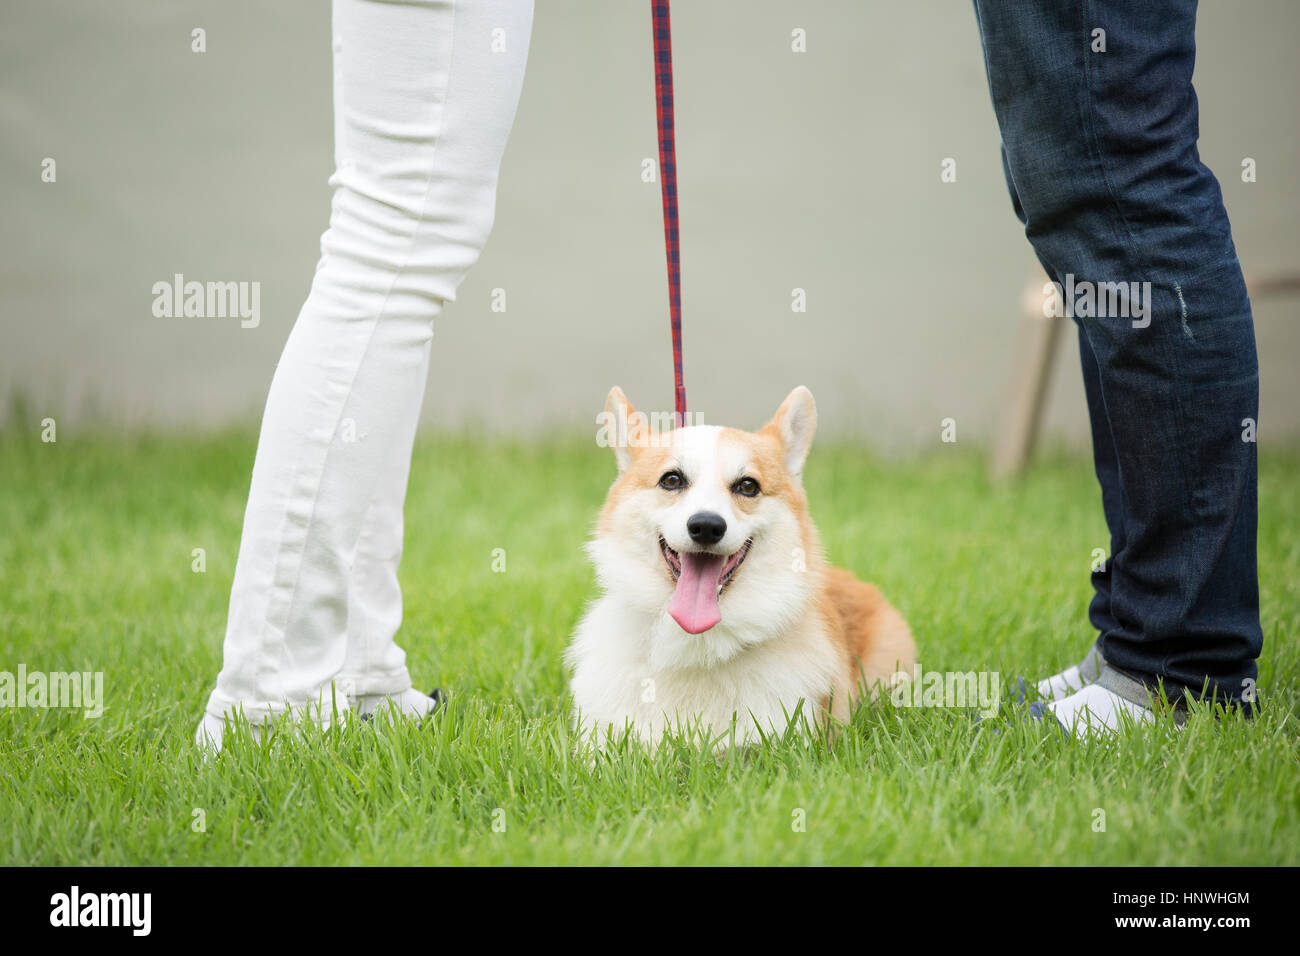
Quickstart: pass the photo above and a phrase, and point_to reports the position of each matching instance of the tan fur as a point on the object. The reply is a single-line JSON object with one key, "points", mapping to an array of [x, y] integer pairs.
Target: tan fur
{"points": [[874, 640]]}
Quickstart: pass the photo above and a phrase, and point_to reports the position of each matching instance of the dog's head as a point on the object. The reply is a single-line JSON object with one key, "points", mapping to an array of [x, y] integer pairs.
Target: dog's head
{"points": [[710, 524]]}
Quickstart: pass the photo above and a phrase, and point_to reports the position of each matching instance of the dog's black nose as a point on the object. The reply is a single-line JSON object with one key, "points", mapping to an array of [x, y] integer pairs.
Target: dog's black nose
{"points": [[705, 527]]}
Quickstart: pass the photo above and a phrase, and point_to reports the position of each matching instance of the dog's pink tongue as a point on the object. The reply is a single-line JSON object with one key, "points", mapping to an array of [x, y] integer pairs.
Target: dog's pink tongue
{"points": [[695, 602]]}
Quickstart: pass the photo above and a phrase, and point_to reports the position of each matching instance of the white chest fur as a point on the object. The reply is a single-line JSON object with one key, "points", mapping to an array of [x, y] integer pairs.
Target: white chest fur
{"points": [[630, 669]]}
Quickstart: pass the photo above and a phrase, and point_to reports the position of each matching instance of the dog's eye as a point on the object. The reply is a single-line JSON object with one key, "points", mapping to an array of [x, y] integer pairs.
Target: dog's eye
{"points": [[672, 481], [747, 487]]}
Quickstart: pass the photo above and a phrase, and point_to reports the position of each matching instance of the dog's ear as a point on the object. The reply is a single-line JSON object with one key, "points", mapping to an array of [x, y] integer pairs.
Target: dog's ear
{"points": [[795, 423], [623, 428]]}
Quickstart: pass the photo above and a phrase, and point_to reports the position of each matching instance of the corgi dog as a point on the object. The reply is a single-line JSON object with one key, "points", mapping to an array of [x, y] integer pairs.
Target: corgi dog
{"points": [[717, 604]]}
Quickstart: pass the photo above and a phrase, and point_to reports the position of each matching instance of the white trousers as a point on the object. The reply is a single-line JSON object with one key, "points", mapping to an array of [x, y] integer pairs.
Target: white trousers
{"points": [[425, 93]]}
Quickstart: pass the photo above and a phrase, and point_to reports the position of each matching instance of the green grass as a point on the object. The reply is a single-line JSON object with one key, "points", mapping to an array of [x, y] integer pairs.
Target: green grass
{"points": [[96, 537]]}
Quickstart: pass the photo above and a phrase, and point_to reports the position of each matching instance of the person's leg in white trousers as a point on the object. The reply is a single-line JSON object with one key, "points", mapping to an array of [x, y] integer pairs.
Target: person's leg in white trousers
{"points": [[425, 95]]}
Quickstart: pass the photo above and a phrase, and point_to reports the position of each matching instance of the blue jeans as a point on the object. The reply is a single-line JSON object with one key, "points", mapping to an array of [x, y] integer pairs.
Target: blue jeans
{"points": [[1099, 149]]}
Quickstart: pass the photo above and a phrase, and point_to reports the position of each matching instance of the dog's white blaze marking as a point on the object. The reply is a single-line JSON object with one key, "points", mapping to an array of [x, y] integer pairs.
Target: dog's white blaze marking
{"points": [[710, 466]]}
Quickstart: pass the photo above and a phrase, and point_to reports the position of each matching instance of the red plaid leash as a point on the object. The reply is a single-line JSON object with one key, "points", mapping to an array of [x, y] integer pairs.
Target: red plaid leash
{"points": [[668, 186]]}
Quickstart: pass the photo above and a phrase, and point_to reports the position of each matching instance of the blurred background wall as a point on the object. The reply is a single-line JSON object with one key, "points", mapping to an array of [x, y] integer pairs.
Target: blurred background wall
{"points": [[816, 170]]}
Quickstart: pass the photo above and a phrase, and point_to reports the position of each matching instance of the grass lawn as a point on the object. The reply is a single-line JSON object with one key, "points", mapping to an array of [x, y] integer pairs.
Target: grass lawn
{"points": [[96, 537]]}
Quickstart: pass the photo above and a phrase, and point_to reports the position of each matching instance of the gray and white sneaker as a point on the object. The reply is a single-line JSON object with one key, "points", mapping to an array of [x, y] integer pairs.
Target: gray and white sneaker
{"points": [[1072, 679]]}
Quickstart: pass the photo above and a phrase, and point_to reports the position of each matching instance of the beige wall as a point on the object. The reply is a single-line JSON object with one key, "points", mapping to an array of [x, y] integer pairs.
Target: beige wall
{"points": [[818, 171]]}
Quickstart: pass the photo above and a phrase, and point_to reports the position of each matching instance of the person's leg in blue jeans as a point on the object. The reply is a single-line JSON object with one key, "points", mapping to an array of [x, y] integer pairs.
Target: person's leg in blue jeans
{"points": [[1100, 152]]}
